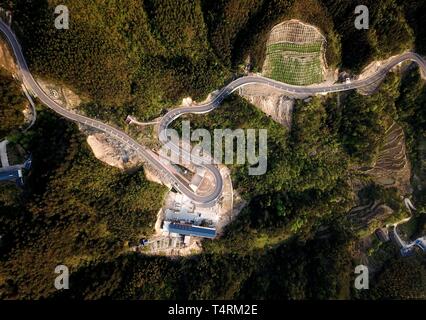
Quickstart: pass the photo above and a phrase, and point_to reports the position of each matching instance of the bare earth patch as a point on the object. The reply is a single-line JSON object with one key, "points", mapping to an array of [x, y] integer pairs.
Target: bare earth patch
{"points": [[61, 94], [273, 103], [370, 70], [221, 214], [6, 59], [106, 152]]}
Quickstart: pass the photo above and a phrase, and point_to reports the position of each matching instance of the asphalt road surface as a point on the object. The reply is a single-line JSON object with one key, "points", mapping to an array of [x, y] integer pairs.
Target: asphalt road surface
{"points": [[32, 85]]}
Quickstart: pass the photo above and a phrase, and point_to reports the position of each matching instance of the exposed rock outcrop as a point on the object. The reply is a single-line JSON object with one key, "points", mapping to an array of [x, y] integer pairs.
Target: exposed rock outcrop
{"points": [[6, 59], [60, 94], [275, 104], [104, 150]]}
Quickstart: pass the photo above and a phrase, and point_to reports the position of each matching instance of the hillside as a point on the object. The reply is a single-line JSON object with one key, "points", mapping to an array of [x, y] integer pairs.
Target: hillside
{"points": [[151, 55], [337, 169], [12, 104]]}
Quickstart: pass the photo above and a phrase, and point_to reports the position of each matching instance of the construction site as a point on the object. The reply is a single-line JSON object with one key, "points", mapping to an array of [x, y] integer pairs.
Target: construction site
{"points": [[182, 225]]}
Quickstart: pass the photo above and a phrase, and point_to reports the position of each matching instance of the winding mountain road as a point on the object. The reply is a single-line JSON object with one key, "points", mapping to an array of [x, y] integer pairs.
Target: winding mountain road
{"points": [[32, 86], [205, 200]]}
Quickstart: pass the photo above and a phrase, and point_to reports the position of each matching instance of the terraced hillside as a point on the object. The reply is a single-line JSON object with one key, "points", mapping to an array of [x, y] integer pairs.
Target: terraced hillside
{"points": [[392, 168], [419, 171], [370, 216], [294, 53]]}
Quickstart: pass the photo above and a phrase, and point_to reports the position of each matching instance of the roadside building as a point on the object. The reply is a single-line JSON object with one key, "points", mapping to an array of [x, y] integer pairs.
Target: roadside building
{"points": [[12, 175], [189, 230]]}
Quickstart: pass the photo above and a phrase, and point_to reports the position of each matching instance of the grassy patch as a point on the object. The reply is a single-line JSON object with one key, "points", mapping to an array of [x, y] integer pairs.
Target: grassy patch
{"points": [[294, 63], [297, 47], [293, 70]]}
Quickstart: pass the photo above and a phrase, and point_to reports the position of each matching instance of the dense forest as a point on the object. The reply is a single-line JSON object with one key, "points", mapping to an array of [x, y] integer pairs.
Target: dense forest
{"points": [[281, 231], [139, 55], [12, 103], [73, 209], [293, 239], [144, 56]]}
